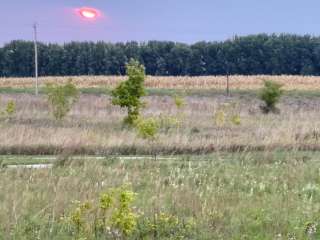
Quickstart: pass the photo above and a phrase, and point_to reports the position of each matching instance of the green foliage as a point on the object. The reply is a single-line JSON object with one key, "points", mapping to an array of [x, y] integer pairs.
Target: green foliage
{"points": [[111, 216], [128, 94], [170, 58], [168, 122], [11, 108], [227, 113], [236, 120], [270, 94], [9, 111], [147, 128], [123, 218], [179, 101], [78, 218], [167, 226], [220, 118], [61, 98]]}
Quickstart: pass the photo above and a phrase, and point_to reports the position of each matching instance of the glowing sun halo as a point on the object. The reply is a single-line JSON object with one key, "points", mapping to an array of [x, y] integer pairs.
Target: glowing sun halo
{"points": [[89, 13]]}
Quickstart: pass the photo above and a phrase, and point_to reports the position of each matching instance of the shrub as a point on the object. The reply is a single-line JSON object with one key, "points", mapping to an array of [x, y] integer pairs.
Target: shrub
{"points": [[270, 94], [168, 122], [220, 118], [227, 113], [128, 94], [236, 120], [61, 98], [112, 216], [179, 101], [167, 226], [147, 128], [9, 110]]}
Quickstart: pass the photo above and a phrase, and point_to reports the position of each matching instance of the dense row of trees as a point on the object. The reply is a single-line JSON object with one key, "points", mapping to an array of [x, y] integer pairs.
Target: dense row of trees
{"points": [[254, 54]]}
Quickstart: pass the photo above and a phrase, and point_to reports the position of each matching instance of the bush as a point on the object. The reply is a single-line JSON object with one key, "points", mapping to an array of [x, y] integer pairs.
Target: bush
{"points": [[168, 122], [179, 101], [227, 113], [147, 128], [11, 108], [166, 226], [61, 98], [9, 111], [111, 217], [270, 94], [128, 93]]}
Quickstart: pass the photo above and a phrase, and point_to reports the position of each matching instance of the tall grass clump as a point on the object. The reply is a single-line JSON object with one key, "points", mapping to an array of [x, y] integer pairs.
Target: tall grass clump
{"points": [[128, 94], [61, 98]]}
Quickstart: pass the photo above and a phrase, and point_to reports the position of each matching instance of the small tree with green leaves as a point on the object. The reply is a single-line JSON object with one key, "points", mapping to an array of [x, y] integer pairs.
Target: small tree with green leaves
{"points": [[128, 94], [61, 98], [270, 94]]}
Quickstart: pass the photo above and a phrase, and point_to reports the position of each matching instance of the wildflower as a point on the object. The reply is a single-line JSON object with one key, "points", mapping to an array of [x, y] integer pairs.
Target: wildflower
{"points": [[311, 229]]}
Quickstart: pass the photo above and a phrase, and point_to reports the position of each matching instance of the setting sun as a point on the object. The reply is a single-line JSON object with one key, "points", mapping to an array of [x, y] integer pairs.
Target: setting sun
{"points": [[89, 13]]}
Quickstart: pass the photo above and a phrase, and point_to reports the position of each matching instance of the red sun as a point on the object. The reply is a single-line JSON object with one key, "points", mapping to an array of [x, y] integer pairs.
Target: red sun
{"points": [[89, 13]]}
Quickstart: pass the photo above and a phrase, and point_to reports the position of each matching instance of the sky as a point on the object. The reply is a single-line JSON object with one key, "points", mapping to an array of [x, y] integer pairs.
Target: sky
{"points": [[185, 21]]}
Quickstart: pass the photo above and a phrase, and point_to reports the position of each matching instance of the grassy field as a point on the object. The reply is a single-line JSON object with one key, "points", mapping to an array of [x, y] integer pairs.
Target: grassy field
{"points": [[224, 170], [249, 195]]}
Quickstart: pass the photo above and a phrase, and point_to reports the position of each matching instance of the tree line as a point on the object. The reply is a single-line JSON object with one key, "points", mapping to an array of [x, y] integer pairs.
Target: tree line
{"points": [[249, 55]]}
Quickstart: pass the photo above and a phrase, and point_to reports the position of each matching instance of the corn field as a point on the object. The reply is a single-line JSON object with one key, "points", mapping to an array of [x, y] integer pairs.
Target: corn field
{"points": [[236, 82]]}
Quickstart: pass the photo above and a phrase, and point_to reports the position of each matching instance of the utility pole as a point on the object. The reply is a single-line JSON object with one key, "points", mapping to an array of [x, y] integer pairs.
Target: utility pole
{"points": [[228, 69], [35, 56]]}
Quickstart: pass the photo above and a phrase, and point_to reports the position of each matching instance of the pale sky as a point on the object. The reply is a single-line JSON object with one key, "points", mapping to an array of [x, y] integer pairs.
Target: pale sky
{"points": [[142, 20]]}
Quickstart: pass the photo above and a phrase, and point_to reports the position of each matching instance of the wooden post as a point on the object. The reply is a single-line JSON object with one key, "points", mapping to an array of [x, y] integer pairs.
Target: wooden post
{"points": [[35, 57], [228, 88]]}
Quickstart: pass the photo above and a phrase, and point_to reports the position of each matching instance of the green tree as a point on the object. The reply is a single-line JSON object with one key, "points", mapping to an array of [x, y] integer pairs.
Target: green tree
{"points": [[128, 94]]}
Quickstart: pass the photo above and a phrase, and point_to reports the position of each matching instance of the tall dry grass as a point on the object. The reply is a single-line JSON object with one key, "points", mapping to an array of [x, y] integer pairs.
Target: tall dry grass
{"points": [[94, 126], [206, 82]]}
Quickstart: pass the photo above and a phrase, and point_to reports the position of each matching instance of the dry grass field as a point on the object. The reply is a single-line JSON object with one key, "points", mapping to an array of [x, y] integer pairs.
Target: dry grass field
{"points": [[206, 82], [94, 126]]}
